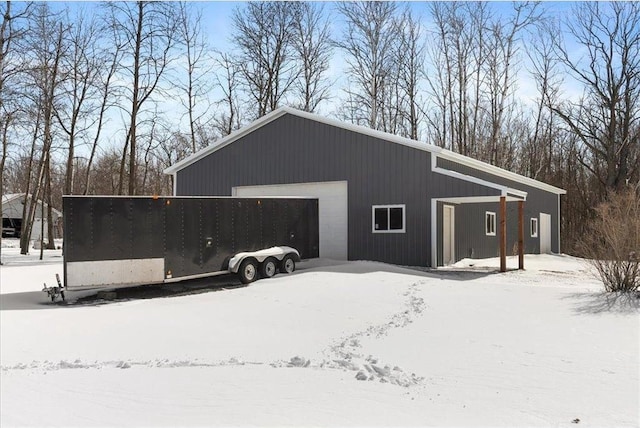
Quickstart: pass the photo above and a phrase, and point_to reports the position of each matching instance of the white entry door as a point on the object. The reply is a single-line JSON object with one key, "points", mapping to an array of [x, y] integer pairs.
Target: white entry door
{"points": [[448, 235], [545, 233], [332, 210]]}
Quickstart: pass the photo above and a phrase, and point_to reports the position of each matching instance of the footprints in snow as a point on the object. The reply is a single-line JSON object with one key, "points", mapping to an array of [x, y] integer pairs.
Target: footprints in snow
{"points": [[348, 357], [343, 356]]}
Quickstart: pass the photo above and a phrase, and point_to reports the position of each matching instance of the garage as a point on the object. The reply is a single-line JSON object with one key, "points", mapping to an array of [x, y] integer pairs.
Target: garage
{"points": [[332, 199], [290, 152]]}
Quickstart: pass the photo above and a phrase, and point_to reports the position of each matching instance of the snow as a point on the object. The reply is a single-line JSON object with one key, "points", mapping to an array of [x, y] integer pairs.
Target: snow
{"points": [[459, 346], [278, 252]]}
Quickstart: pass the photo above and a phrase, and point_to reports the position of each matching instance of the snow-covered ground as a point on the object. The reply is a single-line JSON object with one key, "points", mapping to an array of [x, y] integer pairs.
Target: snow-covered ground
{"points": [[461, 346]]}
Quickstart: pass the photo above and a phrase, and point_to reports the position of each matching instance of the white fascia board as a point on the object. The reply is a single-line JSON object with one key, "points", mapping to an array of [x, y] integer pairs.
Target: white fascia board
{"points": [[445, 154], [494, 170], [364, 130], [12, 197], [173, 169], [504, 190], [478, 199], [305, 115]]}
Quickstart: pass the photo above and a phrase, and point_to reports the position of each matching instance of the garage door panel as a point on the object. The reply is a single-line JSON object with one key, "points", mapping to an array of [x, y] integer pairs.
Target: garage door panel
{"points": [[332, 210]]}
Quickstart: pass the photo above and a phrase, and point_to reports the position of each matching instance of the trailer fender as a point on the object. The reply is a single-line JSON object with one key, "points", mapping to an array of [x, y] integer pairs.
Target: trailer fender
{"points": [[261, 255]]}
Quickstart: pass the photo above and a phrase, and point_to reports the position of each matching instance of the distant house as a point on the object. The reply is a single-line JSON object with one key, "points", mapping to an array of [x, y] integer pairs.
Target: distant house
{"points": [[12, 207], [382, 197]]}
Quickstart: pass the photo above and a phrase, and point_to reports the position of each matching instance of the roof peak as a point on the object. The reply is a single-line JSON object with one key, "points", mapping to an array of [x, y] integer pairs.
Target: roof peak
{"points": [[385, 136]]}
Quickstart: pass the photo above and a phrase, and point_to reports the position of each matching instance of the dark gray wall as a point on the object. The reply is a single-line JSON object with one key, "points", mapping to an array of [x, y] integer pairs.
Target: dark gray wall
{"points": [[292, 149], [471, 239], [472, 215]]}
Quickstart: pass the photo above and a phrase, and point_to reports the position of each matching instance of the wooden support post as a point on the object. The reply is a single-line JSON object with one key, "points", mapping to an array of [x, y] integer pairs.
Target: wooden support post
{"points": [[521, 235], [503, 234]]}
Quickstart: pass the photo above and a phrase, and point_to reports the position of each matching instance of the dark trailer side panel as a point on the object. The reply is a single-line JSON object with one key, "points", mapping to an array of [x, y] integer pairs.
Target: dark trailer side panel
{"points": [[111, 241]]}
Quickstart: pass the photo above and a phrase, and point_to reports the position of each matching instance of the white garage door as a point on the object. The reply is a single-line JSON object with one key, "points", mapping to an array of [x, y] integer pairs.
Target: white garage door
{"points": [[332, 200]]}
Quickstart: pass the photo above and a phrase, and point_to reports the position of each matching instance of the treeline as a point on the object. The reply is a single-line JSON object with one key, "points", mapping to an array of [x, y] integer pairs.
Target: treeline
{"points": [[101, 98]]}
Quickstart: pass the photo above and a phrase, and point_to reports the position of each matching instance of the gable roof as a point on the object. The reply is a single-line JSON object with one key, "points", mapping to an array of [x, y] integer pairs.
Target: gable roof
{"points": [[10, 197], [438, 151]]}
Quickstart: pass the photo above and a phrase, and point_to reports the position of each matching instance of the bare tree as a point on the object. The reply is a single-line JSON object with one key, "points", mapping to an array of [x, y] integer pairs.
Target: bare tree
{"points": [[263, 38], [538, 156], [606, 119], [197, 84], [501, 61], [410, 56], [146, 34], [313, 47], [11, 31], [368, 45], [106, 93], [457, 79], [82, 66], [106, 172], [612, 240], [228, 117], [47, 49]]}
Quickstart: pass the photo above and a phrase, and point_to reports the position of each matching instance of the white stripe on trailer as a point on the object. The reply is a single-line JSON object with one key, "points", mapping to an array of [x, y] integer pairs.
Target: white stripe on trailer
{"points": [[108, 272]]}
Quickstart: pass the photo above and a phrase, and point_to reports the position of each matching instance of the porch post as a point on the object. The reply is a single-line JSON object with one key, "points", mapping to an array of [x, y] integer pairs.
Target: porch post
{"points": [[503, 234], [520, 234]]}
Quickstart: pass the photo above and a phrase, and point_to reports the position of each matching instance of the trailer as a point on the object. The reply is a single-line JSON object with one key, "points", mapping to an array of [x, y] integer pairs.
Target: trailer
{"points": [[116, 241]]}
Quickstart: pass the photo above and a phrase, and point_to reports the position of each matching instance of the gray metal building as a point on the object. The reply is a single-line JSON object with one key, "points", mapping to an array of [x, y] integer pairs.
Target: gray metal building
{"points": [[382, 197]]}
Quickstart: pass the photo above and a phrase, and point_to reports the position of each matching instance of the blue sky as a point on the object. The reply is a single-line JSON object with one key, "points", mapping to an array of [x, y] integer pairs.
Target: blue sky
{"points": [[217, 24]]}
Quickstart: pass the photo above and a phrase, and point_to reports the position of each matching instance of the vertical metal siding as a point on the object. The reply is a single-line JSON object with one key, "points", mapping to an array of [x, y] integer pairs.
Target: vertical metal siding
{"points": [[292, 149], [537, 201]]}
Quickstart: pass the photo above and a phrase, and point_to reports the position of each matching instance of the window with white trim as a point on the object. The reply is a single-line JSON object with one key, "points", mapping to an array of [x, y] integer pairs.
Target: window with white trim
{"points": [[388, 219], [534, 227], [490, 223]]}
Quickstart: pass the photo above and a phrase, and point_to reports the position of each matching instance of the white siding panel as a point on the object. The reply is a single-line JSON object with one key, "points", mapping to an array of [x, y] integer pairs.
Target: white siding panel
{"points": [[114, 272], [332, 210]]}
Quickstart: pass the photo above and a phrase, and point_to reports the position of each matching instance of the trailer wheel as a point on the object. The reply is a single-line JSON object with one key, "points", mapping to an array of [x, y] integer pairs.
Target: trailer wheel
{"points": [[287, 265], [268, 268], [248, 271]]}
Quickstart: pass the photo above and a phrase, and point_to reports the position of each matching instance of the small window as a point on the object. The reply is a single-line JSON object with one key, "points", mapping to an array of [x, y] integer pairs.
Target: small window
{"points": [[388, 219], [534, 227], [490, 223]]}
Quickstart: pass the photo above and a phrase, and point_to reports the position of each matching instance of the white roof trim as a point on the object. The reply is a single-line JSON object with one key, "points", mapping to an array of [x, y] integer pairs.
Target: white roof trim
{"points": [[445, 154], [10, 197], [225, 141], [504, 190], [494, 170], [477, 199]]}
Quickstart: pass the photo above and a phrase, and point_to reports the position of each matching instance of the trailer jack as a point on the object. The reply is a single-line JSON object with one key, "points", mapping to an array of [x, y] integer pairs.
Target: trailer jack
{"points": [[55, 292]]}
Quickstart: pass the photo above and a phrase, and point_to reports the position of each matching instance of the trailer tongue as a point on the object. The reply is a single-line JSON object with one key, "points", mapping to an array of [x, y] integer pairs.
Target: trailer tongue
{"points": [[112, 241]]}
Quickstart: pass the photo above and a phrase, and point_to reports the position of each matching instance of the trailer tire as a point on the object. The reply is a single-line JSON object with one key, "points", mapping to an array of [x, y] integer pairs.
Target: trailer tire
{"points": [[248, 271], [288, 264], [268, 268]]}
